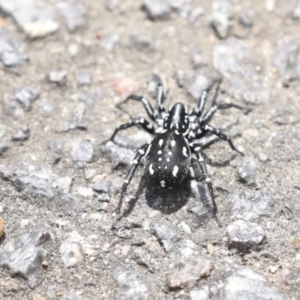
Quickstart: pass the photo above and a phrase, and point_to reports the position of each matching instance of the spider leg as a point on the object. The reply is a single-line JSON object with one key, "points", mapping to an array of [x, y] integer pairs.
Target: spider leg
{"points": [[138, 121], [147, 105], [203, 97], [160, 94], [136, 161], [198, 151], [222, 136], [210, 113]]}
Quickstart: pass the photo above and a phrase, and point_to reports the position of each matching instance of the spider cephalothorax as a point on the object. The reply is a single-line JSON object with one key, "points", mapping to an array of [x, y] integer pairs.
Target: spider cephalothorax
{"points": [[168, 156]]}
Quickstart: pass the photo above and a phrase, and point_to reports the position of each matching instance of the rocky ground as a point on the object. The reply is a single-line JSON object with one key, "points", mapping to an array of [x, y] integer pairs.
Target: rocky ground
{"points": [[63, 68]]}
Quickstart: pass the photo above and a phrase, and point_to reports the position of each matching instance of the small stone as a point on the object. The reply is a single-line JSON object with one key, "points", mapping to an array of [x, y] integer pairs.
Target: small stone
{"points": [[197, 85], [251, 205], [73, 50], [74, 14], [48, 108], [141, 43], [125, 87], [3, 149], [263, 157], [64, 184], [245, 235], [26, 96], [85, 192], [144, 258], [58, 77], [82, 153], [72, 297], [83, 77], [22, 134], [109, 41], [2, 227], [201, 294], [89, 173], [157, 9], [246, 19], [197, 60], [167, 236], [243, 283], [23, 255], [56, 146], [36, 20], [196, 13], [101, 186], [6, 173], [190, 272], [71, 254], [180, 77], [247, 172], [84, 98], [9, 286]]}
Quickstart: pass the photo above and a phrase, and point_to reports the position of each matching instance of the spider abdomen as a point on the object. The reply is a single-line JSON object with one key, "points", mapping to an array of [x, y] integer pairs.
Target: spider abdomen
{"points": [[167, 160]]}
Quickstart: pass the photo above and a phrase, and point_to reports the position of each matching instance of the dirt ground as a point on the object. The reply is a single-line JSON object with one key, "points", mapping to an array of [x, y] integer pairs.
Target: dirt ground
{"points": [[60, 185]]}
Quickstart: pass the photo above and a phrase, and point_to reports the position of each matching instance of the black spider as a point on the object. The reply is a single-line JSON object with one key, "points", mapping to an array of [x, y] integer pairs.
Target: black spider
{"points": [[168, 156]]}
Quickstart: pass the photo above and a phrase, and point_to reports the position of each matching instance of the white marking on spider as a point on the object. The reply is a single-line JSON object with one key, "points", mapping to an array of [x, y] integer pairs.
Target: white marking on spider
{"points": [[159, 159], [142, 151], [149, 147], [173, 143], [135, 162], [183, 126], [184, 151], [170, 153], [171, 127], [159, 152], [207, 180], [126, 181], [164, 131], [163, 184], [197, 149], [166, 167], [201, 159], [160, 142], [175, 171], [176, 132], [168, 159], [151, 170], [149, 126], [142, 120]]}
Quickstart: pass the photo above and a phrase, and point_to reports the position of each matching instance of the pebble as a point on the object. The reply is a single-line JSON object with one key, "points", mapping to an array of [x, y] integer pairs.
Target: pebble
{"points": [[22, 134], [82, 153], [243, 283], [141, 43], [244, 235], [240, 70], [200, 294], [58, 77], [85, 192], [131, 284], [221, 18], [2, 227], [189, 273], [125, 87], [101, 186], [248, 172], [144, 258], [74, 14], [48, 108], [196, 85], [109, 41], [35, 18], [71, 254], [24, 254], [180, 77], [166, 236], [10, 53], [26, 96], [83, 77], [198, 60], [72, 297], [157, 9], [251, 205], [3, 149], [84, 98]]}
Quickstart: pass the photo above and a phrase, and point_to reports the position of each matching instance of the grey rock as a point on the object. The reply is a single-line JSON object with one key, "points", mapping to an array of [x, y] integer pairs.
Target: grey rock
{"points": [[33, 186], [58, 77], [197, 60], [71, 254], [26, 96], [243, 283], [200, 294], [239, 69], [56, 146], [196, 85], [166, 236], [222, 13], [48, 108], [24, 254], [74, 14], [189, 273], [157, 9], [196, 13], [251, 205], [246, 19], [84, 98], [141, 43], [244, 235], [72, 297], [180, 77], [82, 153], [287, 59], [83, 77], [6, 173], [248, 172], [120, 159], [102, 186], [36, 19], [144, 258], [22, 134], [296, 11], [109, 41], [3, 149], [112, 4], [132, 286], [10, 53]]}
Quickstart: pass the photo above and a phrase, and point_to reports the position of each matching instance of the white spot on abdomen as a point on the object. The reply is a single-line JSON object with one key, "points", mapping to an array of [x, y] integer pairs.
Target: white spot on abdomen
{"points": [[173, 143], [160, 142], [163, 184], [151, 170], [184, 151], [175, 171]]}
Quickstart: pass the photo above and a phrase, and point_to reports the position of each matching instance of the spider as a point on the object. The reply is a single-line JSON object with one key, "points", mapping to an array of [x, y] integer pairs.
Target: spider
{"points": [[167, 159]]}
